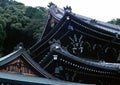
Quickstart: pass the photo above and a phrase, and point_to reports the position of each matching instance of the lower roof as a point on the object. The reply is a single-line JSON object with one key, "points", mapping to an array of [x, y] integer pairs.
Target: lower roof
{"points": [[30, 80]]}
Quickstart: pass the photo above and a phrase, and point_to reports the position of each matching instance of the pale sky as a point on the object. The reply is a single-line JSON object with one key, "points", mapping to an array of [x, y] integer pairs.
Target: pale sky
{"points": [[103, 10]]}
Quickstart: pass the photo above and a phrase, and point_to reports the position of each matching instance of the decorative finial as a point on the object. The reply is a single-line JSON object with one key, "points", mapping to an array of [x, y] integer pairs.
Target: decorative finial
{"points": [[55, 44], [68, 9], [70, 28], [54, 41], [93, 21], [117, 35], [19, 46], [51, 4]]}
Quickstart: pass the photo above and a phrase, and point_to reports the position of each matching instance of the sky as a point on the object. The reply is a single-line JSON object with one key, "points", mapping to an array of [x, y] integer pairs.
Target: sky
{"points": [[103, 10]]}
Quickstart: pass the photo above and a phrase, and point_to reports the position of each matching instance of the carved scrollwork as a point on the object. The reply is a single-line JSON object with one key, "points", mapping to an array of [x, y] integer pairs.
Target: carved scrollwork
{"points": [[86, 49], [110, 54], [82, 47], [17, 67], [97, 51], [76, 44]]}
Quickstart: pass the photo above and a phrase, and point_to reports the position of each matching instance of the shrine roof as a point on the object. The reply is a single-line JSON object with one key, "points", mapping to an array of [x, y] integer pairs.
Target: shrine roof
{"points": [[7, 56], [94, 63], [58, 13], [10, 57], [29, 80], [21, 52]]}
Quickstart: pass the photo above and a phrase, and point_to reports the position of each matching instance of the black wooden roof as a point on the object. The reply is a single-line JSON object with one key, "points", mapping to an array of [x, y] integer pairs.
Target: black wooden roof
{"points": [[58, 13], [99, 68], [97, 64], [96, 26], [22, 53], [40, 45], [29, 80]]}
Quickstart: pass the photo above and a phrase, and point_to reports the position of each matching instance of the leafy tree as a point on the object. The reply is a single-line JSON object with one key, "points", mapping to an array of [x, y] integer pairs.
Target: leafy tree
{"points": [[17, 26], [115, 21], [2, 38], [1, 10], [19, 23]]}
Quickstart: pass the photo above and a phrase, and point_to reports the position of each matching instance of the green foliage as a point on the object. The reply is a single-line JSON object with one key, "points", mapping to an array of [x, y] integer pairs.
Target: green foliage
{"points": [[17, 26], [2, 32], [3, 23], [2, 37], [1, 10], [115, 21], [19, 23]]}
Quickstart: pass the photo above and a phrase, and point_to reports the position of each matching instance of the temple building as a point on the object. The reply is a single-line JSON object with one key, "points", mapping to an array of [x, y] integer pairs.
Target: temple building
{"points": [[72, 50]]}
